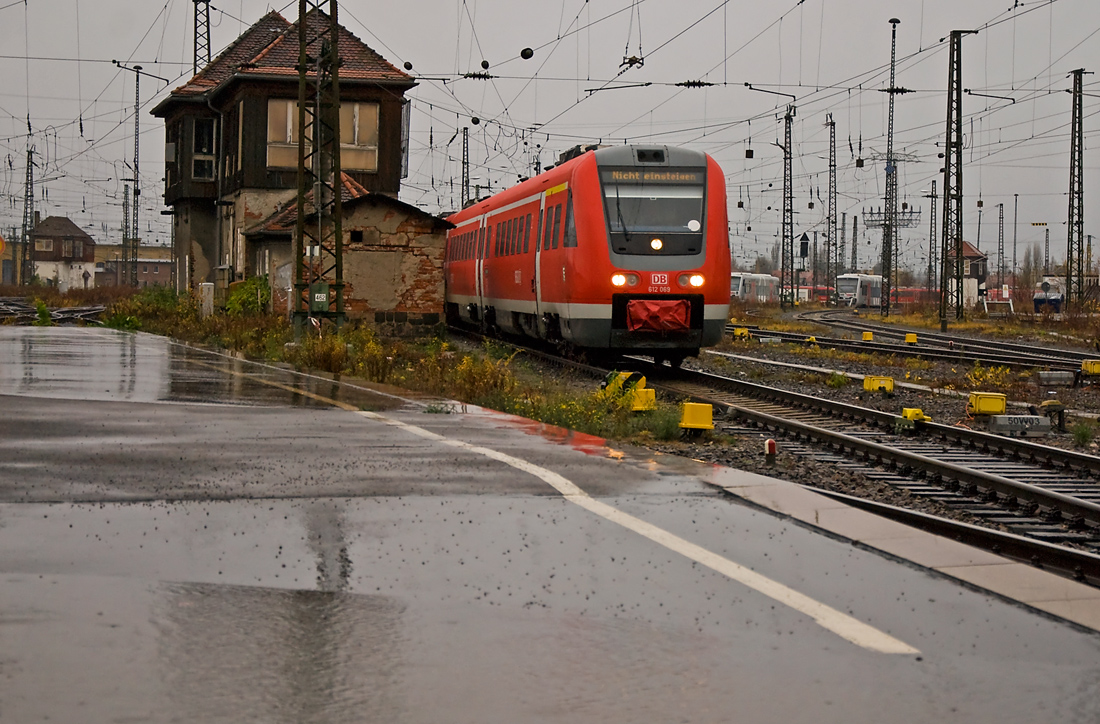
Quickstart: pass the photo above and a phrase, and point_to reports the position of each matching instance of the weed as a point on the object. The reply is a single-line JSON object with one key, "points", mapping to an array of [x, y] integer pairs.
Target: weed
{"points": [[44, 319], [1083, 433], [837, 380]]}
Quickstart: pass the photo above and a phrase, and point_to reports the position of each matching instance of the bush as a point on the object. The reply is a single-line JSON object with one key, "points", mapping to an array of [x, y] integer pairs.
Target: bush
{"points": [[249, 297]]}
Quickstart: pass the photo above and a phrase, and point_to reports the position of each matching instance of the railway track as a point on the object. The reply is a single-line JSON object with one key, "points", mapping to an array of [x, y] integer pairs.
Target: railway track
{"points": [[1047, 499], [1037, 493], [967, 355], [19, 312], [845, 319]]}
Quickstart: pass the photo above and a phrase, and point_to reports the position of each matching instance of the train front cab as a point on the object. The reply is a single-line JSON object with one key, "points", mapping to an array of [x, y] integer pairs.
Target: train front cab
{"points": [[652, 236]]}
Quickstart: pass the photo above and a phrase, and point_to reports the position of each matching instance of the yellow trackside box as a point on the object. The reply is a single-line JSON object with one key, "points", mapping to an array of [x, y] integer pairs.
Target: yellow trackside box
{"points": [[875, 383], [1090, 367], [986, 403], [911, 338], [914, 414], [643, 399], [697, 416], [868, 336]]}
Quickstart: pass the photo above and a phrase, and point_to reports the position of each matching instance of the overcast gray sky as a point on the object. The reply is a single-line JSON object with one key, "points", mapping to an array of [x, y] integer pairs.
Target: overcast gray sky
{"points": [[832, 55]]}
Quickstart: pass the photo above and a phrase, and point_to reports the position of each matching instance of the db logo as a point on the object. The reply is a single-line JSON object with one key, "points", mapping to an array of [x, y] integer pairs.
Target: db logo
{"points": [[660, 279]]}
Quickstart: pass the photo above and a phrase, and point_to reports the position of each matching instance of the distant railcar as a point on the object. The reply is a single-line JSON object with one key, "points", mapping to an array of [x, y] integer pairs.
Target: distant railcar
{"points": [[859, 290], [758, 288]]}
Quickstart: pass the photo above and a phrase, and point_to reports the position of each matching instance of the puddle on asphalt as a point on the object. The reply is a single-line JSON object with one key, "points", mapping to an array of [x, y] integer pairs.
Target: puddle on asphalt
{"points": [[102, 364]]}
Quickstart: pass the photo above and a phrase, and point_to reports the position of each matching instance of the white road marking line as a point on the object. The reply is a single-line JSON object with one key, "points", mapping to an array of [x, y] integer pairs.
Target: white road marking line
{"points": [[829, 618]]}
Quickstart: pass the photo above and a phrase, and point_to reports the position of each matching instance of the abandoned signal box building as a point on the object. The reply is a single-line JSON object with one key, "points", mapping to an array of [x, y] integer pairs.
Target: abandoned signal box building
{"points": [[231, 157]]}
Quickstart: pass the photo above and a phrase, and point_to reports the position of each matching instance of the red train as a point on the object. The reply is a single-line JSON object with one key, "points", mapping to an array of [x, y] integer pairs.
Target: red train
{"points": [[618, 249]]}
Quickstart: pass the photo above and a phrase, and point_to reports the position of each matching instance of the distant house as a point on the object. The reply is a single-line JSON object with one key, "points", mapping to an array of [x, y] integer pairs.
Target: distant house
{"points": [[62, 254], [232, 149], [154, 266], [975, 264]]}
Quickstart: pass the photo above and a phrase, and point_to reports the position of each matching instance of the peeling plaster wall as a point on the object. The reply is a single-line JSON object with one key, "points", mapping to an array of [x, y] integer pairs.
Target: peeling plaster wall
{"points": [[394, 276]]}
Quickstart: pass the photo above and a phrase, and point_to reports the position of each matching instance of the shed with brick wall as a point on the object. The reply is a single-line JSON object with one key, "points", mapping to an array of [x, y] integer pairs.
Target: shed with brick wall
{"points": [[393, 259]]}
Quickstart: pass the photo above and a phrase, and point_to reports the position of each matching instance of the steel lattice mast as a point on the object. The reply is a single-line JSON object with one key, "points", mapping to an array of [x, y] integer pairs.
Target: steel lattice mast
{"points": [[25, 273], [123, 274], [932, 245], [890, 219], [841, 252], [855, 243], [832, 247], [1001, 243], [465, 191], [788, 286], [202, 35], [318, 282], [1075, 246], [951, 300], [134, 231]]}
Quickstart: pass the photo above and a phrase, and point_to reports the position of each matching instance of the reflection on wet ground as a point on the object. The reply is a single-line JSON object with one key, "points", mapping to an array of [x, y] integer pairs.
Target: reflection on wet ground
{"points": [[103, 364]]}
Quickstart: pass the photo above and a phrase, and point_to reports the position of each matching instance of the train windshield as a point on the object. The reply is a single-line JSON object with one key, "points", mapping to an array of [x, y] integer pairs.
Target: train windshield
{"points": [[846, 286], [655, 212]]}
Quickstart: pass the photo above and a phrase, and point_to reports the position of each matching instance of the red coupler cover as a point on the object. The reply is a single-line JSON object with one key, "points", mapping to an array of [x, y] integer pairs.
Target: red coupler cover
{"points": [[658, 315]]}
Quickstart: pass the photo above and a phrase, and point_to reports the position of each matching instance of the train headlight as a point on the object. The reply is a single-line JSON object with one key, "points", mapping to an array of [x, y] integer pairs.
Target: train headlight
{"points": [[618, 280], [657, 244], [692, 280], [632, 279]]}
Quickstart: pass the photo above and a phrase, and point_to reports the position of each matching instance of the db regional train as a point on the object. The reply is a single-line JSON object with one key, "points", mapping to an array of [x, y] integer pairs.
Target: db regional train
{"points": [[620, 249]]}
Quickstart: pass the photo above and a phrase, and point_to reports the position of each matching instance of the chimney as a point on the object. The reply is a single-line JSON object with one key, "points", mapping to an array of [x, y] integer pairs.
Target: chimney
{"points": [[37, 218]]}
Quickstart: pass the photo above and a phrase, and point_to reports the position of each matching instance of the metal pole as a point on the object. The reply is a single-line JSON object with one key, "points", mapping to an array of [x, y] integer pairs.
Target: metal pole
{"points": [[932, 245], [831, 245], [1015, 233], [889, 227], [1001, 243], [134, 230], [1075, 248], [855, 243], [465, 166], [202, 35], [787, 271], [952, 248]]}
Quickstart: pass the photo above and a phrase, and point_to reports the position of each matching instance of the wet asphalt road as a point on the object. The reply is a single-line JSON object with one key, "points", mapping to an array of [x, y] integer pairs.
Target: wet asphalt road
{"points": [[184, 538]]}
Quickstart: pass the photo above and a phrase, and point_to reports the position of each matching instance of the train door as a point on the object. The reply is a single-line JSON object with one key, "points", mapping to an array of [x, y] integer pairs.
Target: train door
{"points": [[484, 232], [541, 325]]}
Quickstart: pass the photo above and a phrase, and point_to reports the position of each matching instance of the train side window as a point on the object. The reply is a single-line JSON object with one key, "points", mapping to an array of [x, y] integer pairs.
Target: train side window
{"points": [[515, 236], [547, 226], [557, 227], [510, 245], [527, 234], [496, 242], [538, 231], [570, 226]]}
